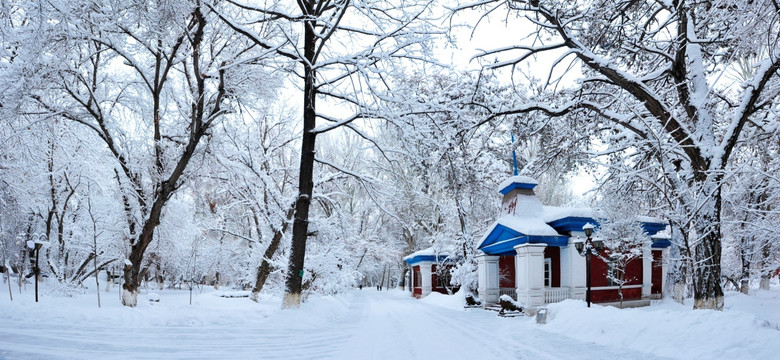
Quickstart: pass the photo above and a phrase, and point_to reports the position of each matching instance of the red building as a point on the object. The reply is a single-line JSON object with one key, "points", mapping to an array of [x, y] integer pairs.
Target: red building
{"points": [[430, 272]]}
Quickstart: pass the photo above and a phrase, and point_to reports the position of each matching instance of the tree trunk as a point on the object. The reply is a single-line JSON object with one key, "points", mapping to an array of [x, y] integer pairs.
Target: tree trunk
{"points": [[677, 278], [707, 291], [265, 267], [402, 280], [766, 273], [292, 297], [744, 281]]}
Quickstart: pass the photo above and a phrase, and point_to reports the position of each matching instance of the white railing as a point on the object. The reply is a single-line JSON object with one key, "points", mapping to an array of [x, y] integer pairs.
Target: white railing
{"points": [[508, 291], [554, 295]]}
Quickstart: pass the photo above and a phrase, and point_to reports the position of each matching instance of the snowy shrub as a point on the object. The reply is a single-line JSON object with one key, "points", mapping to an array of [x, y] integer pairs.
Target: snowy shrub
{"points": [[465, 275]]}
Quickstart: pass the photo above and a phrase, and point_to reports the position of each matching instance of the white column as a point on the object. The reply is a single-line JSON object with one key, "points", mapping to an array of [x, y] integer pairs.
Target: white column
{"points": [[425, 274], [487, 266], [529, 274], [647, 271], [573, 270]]}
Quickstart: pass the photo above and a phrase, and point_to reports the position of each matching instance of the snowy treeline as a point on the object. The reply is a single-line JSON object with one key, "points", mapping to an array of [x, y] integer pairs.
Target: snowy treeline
{"points": [[173, 142]]}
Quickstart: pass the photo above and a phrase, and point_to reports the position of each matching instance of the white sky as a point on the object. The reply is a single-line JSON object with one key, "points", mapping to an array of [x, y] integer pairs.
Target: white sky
{"points": [[492, 32]]}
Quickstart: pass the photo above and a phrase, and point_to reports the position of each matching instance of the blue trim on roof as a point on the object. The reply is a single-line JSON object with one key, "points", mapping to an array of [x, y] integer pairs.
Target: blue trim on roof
{"points": [[652, 228], [661, 243], [499, 233], [572, 223], [516, 185], [575, 223], [431, 258], [502, 240]]}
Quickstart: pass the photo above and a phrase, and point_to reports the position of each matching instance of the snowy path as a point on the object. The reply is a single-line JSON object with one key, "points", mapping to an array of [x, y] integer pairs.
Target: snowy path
{"points": [[368, 325]]}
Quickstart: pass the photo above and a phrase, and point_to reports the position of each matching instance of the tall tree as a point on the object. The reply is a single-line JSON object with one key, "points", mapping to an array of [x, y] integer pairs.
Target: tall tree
{"points": [[342, 50]]}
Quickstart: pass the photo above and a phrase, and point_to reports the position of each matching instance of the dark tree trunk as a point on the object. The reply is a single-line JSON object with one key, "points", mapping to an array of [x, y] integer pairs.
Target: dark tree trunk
{"points": [[402, 280], [707, 291], [292, 297], [265, 266]]}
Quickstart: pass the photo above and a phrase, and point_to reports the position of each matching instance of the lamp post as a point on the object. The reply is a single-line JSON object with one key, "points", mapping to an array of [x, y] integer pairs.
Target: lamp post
{"points": [[587, 249], [37, 242]]}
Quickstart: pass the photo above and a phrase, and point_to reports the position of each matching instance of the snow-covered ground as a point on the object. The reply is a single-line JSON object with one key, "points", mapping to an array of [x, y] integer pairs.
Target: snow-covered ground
{"points": [[377, 325]]}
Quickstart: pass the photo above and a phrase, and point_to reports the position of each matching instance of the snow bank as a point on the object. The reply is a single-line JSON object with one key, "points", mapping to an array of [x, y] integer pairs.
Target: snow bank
{"points": [[455, 301], [370, 324], [670, 329]]}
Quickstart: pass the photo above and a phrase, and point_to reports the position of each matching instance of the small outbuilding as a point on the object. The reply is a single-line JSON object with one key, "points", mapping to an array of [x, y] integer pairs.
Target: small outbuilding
{"points": [[430, 272]]}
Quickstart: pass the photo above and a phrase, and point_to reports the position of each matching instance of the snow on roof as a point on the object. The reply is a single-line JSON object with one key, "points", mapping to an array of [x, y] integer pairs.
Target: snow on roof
{"points": [[532, 225], [552, 213], [663, 234], [426, 252], [517, 179], [650, 219]]}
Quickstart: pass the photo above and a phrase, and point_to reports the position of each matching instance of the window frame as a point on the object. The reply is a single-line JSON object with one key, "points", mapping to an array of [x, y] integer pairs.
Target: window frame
{"points": [[547, 272]]}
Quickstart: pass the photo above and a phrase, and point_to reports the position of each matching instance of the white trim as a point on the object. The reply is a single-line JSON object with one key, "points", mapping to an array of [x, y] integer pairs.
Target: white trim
{"points": [[548, 265], [500, 242], [617, 287]]}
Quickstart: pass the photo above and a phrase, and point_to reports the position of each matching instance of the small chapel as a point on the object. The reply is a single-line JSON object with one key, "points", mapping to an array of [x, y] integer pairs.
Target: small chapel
{"points": [[531, 254]]}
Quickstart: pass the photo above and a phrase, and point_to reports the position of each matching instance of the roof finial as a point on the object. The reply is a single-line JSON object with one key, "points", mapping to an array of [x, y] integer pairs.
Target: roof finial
{"points": [[514, 156]]}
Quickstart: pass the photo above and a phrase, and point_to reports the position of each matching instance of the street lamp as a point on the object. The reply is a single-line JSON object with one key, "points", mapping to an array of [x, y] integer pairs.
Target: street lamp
{"points": [[586, 249], [37, 242]]}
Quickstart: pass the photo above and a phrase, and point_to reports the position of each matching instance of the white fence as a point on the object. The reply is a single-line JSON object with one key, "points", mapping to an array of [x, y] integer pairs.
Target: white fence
{"points": [[554, 295], [551, 295], [507, 291]]}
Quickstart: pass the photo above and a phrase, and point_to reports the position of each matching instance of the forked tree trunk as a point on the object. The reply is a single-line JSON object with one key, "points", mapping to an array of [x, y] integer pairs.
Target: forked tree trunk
{"points": [[265, 266]]}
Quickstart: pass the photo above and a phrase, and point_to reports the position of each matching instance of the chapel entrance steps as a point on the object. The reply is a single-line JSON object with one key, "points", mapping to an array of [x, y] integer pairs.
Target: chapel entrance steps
{"points": [[493, 307]]}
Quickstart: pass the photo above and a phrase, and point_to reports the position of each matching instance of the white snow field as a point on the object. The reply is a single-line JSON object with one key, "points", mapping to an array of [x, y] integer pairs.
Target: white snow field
{"points": [[367, 324]]}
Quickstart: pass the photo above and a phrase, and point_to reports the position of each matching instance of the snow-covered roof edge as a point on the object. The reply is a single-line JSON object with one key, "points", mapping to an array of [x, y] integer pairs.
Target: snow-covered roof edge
{"points": [[518, 179], [426, 252]]}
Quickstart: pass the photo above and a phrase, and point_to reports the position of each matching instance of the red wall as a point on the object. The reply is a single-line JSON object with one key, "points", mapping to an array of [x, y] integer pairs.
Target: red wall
{"points": [[657, 272], [599, 270], [506, 269], [612, 295], [435, 279], [416, 282], [554, 254]]}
